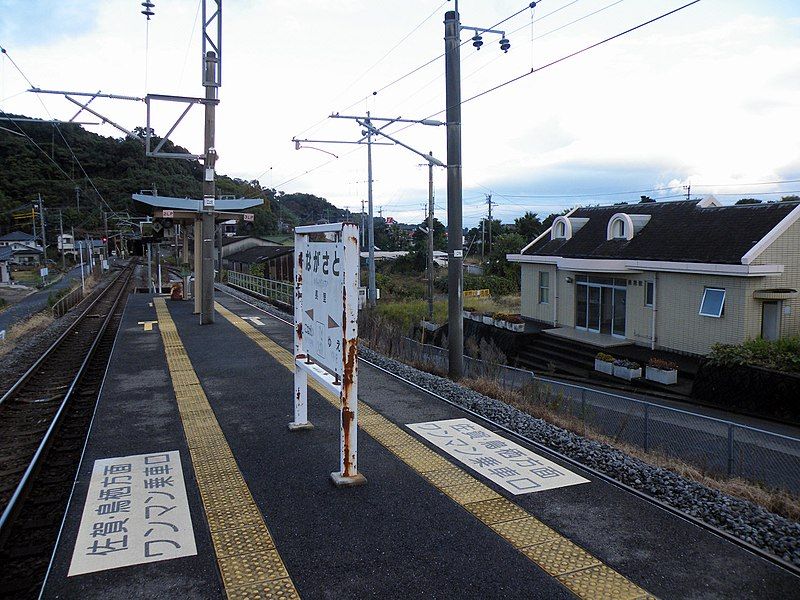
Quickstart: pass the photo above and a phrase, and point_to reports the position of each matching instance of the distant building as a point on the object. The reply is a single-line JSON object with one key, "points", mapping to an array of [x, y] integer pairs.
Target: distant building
{"points": [[66, 244], [21, 249], [278, 261], [678, 276]]}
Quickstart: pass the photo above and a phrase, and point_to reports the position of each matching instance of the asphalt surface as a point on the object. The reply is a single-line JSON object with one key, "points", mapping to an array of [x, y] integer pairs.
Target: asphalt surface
{"points": [[36, 301], [397, 536]]}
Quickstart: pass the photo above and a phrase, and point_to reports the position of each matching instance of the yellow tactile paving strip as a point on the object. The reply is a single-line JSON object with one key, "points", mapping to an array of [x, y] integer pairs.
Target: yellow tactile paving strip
{"points": [[579, 571], [248, 561]]}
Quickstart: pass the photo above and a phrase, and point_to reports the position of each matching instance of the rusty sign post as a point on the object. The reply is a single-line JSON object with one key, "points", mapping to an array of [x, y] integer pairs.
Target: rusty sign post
{"points": [[326, 279]]}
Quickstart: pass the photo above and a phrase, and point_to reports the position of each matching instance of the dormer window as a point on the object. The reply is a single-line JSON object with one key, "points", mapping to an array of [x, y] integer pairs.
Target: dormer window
{"points": [[565, 227], [623, 226]]}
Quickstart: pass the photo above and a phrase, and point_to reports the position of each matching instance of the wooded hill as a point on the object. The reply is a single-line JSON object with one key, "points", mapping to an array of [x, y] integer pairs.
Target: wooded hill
{"points": [[37, 158]]}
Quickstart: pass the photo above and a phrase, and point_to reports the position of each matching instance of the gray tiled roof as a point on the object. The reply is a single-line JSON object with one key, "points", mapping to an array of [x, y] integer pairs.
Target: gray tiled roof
{"points": [[677, 231], [16, 236]]}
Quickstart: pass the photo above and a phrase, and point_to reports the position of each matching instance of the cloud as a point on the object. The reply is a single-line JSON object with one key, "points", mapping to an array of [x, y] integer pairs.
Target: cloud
{"points": [[31, 23]]}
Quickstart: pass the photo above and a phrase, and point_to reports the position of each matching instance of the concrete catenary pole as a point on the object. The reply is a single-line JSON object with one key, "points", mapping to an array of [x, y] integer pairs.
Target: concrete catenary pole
{"points": [[61, 231], [372, 296], [430, 240], [455, 248], [211, 82], [44, 230]]}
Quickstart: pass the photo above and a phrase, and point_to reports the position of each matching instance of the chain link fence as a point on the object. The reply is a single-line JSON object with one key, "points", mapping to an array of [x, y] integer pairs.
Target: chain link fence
{"points": [[712, 445]]}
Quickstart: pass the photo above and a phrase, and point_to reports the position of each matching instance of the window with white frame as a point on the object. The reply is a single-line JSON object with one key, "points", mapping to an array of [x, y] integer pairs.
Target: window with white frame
{"points": [[713, 303], [561, 229], [544, 287], [649, 293]]}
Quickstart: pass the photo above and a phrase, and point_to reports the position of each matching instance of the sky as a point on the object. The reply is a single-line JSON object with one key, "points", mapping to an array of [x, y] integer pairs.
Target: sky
{"points": [[707, 97]]}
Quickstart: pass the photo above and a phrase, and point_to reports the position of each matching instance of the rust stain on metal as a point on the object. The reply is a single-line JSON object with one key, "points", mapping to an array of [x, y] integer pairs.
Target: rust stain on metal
{"points": [[300, 330], [348, 414]]}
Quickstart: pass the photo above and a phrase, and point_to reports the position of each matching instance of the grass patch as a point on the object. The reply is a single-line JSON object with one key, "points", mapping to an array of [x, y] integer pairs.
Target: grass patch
{"points": [[24, 329]]}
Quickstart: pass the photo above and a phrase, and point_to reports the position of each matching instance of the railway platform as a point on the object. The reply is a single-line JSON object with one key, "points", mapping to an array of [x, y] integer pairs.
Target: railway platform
{"points": [[191, 485]]}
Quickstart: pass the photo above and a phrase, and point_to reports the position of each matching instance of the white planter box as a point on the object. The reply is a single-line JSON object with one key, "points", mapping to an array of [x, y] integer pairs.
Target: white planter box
{"points": [[518, 327], [661, 376], [603, 366], [488, 320], [476, 317], [626, 373], [500, 324], [466, 314]]}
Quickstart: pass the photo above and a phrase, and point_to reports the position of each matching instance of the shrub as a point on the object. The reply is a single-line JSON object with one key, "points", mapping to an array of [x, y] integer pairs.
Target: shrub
{"points": [[604, 357], [781, 355], [664, 365], [516, 319]]}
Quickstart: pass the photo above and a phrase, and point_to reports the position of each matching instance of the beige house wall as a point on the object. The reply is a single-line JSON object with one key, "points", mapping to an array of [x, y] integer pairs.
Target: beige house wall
{"points": [[530, 305], [783, 251], [679, 325]]}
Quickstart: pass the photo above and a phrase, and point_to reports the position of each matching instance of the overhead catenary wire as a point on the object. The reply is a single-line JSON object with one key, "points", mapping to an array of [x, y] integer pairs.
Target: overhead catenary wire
{"points": [[60, 133]]}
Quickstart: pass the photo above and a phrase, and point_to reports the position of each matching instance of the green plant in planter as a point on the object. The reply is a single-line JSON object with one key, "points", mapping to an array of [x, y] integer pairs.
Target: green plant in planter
{"points": [[628, 364], [661, 364], [604, 357]]}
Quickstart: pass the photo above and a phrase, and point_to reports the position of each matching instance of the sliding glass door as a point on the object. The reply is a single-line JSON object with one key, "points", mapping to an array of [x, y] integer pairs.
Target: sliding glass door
{"points": [[600, 305]]}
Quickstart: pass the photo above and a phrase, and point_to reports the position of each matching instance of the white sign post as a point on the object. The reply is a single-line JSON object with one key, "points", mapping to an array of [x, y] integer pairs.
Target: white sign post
{"points": [[326, 278]]}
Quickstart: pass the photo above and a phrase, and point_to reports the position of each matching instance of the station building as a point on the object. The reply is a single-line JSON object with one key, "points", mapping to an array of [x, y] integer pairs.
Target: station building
{"points": [[678, 276]]}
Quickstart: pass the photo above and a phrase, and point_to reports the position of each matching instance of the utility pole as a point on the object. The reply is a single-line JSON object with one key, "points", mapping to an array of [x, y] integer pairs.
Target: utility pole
{"points": [[430, 238], [150, 267], [370, 130], [61, 231], [455, 251], [371, 294], [44, 230], [362, 224], [211, 82], [80, 253], [78, 198], [483, 239], [219, 255], [105, 228], [489, 202]]}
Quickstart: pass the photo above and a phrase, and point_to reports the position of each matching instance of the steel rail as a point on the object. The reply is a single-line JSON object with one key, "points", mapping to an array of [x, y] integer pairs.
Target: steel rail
{"points": [[6, 519], [761, 553], [26, 375]]}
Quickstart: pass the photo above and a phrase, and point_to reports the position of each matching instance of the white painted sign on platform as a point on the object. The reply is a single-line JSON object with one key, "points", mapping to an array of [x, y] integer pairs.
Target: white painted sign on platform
{"points": [[323, 307], [507, 464], [136, 512]]}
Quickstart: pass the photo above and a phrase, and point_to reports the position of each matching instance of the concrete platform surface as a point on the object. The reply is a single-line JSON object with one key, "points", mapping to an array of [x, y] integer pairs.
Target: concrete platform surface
{"points": [[267, 522]]}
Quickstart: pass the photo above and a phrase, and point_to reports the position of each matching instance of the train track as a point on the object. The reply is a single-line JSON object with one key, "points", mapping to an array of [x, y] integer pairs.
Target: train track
{"points": [[44, 418], [760, 552]]}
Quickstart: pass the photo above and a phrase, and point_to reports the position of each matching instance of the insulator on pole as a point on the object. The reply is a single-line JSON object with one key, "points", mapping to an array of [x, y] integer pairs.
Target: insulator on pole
{"points": [[477, 41], [148, 9], [505, 45]]}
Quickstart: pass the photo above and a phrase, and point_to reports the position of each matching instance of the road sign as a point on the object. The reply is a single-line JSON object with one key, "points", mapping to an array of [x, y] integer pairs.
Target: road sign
{"points": [[326, 330], [44, 271]]}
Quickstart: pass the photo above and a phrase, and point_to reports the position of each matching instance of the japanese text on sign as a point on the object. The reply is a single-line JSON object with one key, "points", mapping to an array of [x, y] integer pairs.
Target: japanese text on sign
{"points": [[509, 465], [323, 304], [136, 512]]}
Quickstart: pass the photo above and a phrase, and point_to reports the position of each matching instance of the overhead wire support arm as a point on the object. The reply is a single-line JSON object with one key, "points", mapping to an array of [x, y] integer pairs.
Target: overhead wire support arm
{"points": [[428, 157], [431, 122]]}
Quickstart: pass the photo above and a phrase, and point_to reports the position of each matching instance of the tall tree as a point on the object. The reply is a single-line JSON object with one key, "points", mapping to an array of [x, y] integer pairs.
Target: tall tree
{"points": [[528, 225]]}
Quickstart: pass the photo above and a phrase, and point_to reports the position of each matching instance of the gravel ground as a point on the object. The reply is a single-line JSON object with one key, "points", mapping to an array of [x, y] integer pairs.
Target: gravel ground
{"points": [[745, 520], [19, 360]]}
